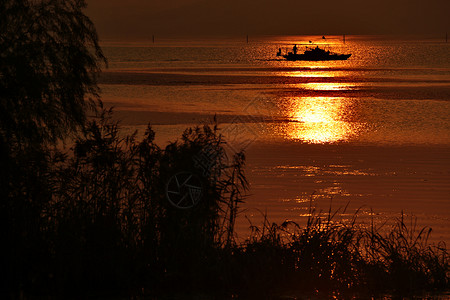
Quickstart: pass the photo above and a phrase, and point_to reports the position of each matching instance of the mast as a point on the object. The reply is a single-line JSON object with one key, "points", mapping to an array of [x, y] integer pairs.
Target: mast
{"points": [[344, 38]]}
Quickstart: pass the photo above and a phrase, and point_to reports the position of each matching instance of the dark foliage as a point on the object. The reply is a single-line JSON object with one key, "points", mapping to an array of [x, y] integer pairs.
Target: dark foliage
{"points": [[105, 227], [49, 58], [335, 259], [97, 219]]}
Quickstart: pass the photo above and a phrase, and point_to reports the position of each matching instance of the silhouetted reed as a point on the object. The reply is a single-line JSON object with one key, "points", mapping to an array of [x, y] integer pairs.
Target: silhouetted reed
{"points": [[330, 258], [110, 224], [96, 221], [403, 259]]}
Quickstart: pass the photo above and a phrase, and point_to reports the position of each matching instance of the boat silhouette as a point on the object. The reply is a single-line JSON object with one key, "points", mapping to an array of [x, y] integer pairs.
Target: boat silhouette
{"points": [[313, 54]]}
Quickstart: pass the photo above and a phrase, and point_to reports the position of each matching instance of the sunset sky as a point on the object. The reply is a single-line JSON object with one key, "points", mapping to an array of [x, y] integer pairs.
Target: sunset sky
{"points": [[142, 18]]}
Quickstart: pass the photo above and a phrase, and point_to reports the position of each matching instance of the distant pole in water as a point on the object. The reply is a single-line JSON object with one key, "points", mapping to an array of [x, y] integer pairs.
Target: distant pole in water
{"points": [[153, 39], [247, 38], [446, 37], [344, 39]]}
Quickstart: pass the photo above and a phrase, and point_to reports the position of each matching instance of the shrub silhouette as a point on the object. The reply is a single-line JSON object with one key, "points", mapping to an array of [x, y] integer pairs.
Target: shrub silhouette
{"points": [[108, 229], [113, 228]]}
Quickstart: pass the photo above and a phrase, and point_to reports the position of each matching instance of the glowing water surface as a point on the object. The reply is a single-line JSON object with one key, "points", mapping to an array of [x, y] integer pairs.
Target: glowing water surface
{"points": [[373, 130]]}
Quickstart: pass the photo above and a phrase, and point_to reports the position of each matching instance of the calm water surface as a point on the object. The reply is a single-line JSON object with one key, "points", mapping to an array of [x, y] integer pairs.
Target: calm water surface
{"points": [[373, 130]]}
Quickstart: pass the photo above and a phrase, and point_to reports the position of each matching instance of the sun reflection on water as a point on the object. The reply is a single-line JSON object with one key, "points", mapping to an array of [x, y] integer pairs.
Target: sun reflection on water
{"points": [[330, 86], [319, 119], [323, 118], [313, 73]]}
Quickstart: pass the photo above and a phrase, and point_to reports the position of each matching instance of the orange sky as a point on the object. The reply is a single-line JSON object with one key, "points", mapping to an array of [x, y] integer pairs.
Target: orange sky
{"points": [[142, 18]]}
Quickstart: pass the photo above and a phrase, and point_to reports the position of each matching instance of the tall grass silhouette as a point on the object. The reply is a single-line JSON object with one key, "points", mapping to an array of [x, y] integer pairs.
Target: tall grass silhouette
{"points": [[102, 226]]}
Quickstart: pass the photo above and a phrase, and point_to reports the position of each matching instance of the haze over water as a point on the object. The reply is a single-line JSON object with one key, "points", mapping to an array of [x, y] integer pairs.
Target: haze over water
{"points": [[373, 131]]}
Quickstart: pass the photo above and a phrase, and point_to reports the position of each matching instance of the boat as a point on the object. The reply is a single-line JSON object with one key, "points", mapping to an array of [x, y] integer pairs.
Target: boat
{"points": [[313, 54]]}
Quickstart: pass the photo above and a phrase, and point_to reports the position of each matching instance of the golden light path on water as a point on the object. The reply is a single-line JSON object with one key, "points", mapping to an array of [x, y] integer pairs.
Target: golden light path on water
{"points": [[320, 119], [313, 73]]}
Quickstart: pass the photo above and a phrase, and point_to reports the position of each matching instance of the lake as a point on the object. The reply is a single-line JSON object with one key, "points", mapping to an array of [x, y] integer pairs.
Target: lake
{"points": [[371, 132]]}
